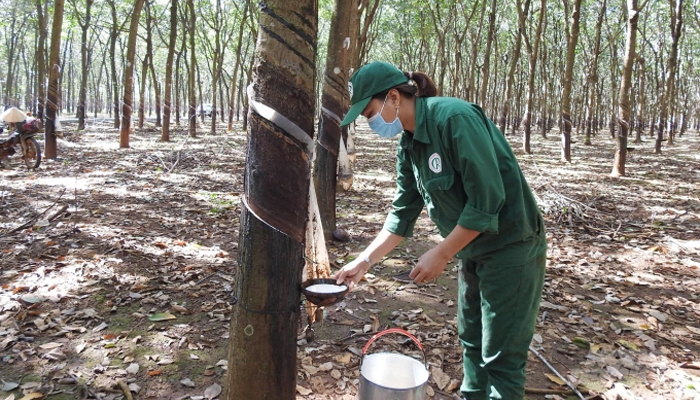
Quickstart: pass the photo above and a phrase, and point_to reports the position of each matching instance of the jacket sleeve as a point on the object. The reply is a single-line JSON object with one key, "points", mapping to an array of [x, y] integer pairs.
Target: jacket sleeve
{"points": [[469, 138], [408, 202]]}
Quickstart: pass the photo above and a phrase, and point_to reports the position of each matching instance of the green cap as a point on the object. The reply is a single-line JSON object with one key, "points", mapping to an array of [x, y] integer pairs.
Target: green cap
{"points": [[369, 80]]}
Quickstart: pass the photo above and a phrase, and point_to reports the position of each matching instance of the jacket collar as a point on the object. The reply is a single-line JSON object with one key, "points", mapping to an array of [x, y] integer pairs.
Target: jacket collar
{"points": [[421, 132]]}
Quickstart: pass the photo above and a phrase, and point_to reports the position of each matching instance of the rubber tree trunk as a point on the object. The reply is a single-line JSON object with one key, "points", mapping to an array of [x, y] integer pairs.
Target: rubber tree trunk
{"points": [[515, 58], [334, 102], [625, 89], [234, 76], [667, 97], [532, 50], [593, 75], [568, 83], [487, 54], [54, 94], [113, 34], [265, 316], [168, 95], [40, 55], [128, 87], [191, 84], [84, 64]]}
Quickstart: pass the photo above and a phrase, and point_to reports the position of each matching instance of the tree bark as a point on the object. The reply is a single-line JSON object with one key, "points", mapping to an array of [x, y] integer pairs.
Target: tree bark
{"points": [[667, 96], [487, 54], [191, 83], [234, 76], [625, 89], [84, 63], [593, 75], [515, 58], [266, 313], [532, 50], [572, 40], [40, 55], [129, 76], [113, 34], [54, 94], [167, 97], [334, 101]]}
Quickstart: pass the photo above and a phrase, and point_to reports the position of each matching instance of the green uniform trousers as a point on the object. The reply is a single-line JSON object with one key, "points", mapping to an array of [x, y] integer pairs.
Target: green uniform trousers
{"points": [[496, 319]]}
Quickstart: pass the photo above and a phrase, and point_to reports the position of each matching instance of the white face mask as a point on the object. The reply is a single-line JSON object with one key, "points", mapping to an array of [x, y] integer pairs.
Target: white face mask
{"points": [[381, 127]]}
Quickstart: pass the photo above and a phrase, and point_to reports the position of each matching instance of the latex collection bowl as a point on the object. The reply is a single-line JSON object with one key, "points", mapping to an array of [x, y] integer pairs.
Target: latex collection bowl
{"points": [[324, 291]]}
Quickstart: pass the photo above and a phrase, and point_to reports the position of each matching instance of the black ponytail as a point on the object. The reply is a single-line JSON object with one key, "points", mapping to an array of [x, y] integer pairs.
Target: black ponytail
{"points": [[418, 85]]}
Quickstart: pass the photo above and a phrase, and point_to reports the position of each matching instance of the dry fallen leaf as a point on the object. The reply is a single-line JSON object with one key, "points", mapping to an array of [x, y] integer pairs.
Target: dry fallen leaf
{"points": [[32, 396], [303, 391], [212, 391]]}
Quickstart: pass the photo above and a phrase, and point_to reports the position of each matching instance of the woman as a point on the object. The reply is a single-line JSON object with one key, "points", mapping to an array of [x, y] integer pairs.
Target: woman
{"points": [[454, 161]]}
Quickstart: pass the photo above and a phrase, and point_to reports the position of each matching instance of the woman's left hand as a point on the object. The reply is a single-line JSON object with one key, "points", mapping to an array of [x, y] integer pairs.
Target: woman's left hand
{"points": [[430, 266]]}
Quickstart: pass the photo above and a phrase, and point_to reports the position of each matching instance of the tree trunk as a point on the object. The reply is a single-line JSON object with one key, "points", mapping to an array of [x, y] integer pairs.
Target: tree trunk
{"points": [[40, 55], [593, 76], [54, 95], [167, 100], [667, 96], [487, 54], [625, 89], [334, 101], [515, 58], [532, 50], [239, 57], [572, 40], [191, 83], [113, 34], [129, 76], [152, 70], [84, 63], [266, 313], [641, 103]]}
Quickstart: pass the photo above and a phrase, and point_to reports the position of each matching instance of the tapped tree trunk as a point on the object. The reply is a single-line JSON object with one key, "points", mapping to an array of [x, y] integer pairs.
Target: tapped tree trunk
{"points": [[84, 64], [667, 96], [532, 50], [593, 77], [515, 58], [191, 86], [113, 34], [334, 101], [234, 76], [487, 54], [129, 76], [167, 97], [266, 313], [625, 89], [40, 60], [54, 94], [572, 39]]}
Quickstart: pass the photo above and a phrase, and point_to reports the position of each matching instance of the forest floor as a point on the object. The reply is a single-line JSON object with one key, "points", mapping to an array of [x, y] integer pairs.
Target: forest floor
{"points": [[117, 268]]}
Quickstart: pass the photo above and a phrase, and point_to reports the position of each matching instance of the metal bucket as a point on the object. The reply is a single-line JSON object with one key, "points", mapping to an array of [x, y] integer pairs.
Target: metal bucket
{"points": [[392, 376]]}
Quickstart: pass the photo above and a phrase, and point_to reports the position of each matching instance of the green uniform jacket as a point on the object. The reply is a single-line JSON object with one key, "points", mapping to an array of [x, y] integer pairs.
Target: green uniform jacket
{"points": [[458, 164]]}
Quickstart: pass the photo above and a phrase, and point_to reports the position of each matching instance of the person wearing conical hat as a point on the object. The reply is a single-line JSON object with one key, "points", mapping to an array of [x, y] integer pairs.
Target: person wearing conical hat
{"points": [[453, 161]]}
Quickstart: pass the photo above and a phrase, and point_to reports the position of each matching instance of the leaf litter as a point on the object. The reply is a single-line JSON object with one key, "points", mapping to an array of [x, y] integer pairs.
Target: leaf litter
{"points": [[140, 258]]}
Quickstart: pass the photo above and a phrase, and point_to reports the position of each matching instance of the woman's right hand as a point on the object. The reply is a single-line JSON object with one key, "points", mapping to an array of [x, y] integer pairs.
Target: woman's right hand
{"points": [[352, 273]]}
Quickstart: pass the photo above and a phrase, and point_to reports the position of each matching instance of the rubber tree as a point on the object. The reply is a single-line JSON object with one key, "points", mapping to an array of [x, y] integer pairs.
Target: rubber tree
{"points": [[593, 74], [128, 86], [624, 113], [40, 55], [572, 40], [85, 52], [676, 23], [54, 94], [334, 102], [533, 45], [266, 302], [167, 96], [515, 58]]}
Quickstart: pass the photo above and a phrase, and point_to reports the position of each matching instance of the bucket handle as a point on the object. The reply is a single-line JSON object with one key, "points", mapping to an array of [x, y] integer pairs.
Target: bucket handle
{"points": [[394, 330]]}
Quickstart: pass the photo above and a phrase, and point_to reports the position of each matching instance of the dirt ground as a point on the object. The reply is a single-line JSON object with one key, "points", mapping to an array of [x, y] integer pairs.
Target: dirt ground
{"points": [[117, 268]]}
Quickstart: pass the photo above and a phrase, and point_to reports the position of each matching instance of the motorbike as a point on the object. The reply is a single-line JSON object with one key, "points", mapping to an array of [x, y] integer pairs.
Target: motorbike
{"points": [[22, 135]]}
